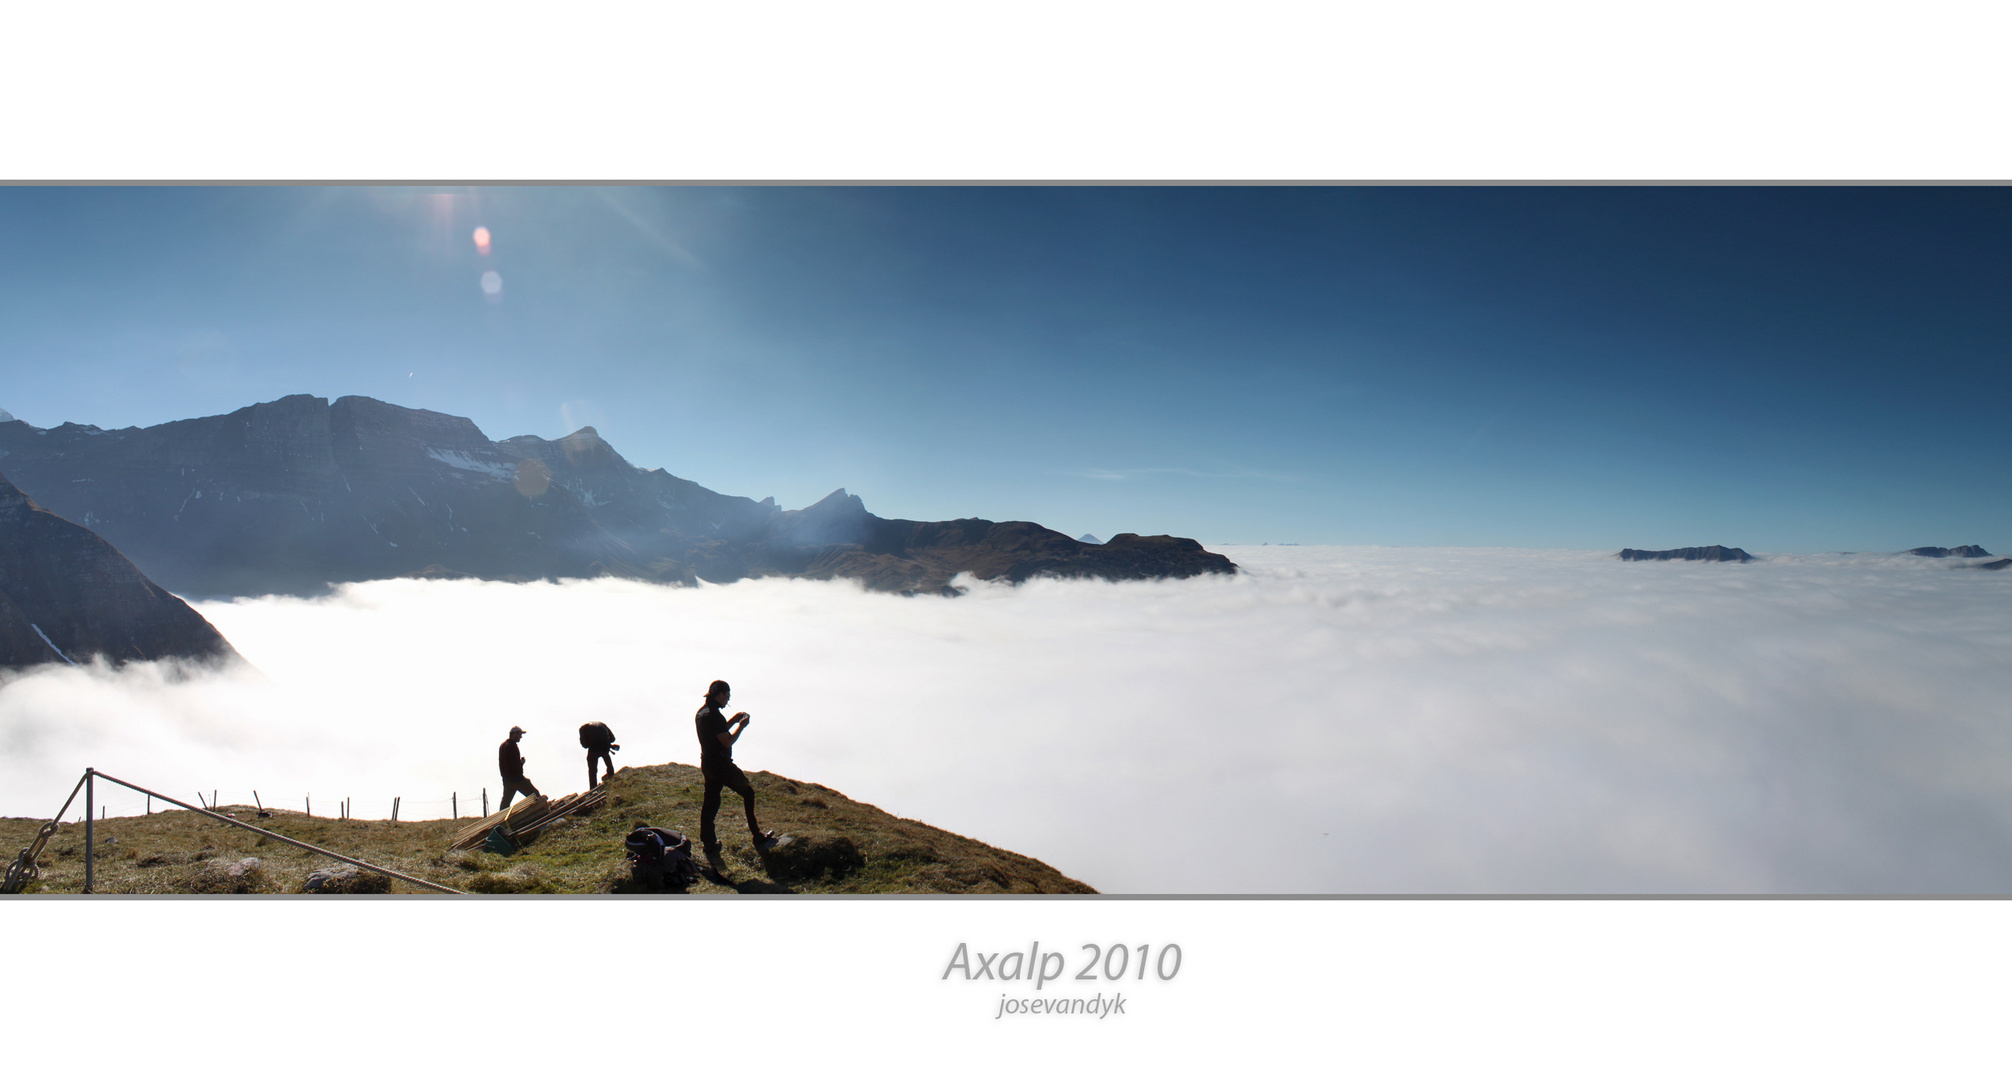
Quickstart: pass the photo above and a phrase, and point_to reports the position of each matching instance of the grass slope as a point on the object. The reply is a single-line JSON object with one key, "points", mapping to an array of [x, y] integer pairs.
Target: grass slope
{"points": [[178, 851]]}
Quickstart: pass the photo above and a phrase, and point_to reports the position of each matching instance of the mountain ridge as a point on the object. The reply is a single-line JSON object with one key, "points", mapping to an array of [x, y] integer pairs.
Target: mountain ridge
{"points": [[1714, 553], [66, 595], [295, 494], [1965, 551]]}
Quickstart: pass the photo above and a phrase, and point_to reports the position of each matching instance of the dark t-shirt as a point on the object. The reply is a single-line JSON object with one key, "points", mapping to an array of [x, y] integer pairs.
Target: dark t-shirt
{"points": [[712, 724], [509, 760]]}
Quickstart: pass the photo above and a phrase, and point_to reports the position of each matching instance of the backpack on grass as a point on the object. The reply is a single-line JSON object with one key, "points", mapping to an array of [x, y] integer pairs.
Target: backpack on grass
{"points": [[660, 860]]}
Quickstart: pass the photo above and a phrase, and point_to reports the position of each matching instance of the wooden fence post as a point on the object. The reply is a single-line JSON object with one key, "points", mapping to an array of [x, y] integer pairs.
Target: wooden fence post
{"points": [[394, 809], [485, 802], [456, 802]]}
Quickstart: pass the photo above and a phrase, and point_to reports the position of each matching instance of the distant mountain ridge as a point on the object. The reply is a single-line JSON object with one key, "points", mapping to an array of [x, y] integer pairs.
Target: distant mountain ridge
{"points": [[1967, 551], [66, 595], [287, 496], [1714, 553]]}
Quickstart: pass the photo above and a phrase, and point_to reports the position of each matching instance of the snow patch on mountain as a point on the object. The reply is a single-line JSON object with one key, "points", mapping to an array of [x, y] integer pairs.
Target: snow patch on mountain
{"points": [[455, 459]]}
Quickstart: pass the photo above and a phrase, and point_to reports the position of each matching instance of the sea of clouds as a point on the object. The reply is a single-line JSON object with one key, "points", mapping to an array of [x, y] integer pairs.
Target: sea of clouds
{"points": [[1332, 720]]}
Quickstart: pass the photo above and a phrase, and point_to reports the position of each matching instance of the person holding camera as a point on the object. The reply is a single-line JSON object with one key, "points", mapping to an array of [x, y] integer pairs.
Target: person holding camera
{"points": [[717, 735]]}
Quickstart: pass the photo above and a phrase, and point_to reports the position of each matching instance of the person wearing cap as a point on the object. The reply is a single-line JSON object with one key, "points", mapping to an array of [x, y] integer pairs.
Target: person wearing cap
{"points": [[717, 735], [511, 762]]}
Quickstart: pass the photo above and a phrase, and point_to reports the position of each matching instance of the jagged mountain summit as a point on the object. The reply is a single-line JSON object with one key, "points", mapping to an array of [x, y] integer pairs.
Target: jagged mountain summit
{"points": [[292, 495], [66, 595], [1967, 551], [1714, 553]]}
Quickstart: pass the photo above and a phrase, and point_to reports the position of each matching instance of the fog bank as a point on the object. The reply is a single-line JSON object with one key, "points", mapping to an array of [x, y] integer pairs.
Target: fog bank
{"points": [[1331, 720]]}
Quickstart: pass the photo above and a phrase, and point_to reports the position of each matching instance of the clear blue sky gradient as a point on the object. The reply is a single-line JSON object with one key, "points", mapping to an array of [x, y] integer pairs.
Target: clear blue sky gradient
{"points": [[1783, 369]]}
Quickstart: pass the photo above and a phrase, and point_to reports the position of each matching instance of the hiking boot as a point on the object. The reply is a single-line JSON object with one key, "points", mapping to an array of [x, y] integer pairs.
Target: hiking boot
{"points": [[766, 841], [712, 852]]}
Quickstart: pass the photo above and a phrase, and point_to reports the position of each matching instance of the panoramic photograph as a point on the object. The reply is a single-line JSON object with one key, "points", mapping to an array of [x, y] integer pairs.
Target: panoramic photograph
{"points": [[1137, 540]]}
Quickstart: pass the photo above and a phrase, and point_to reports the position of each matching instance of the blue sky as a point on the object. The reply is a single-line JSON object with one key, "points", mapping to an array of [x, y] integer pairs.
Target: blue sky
{"points": [[1783, 369]]}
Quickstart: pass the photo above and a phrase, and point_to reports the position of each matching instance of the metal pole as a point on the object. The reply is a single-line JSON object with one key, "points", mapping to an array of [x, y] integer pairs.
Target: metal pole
{"points": [[19, 872], [90, 788], [455, 800]]}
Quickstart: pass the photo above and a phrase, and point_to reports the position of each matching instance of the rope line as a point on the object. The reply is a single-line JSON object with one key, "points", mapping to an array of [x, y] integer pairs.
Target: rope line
{"points": [[282, 839]]}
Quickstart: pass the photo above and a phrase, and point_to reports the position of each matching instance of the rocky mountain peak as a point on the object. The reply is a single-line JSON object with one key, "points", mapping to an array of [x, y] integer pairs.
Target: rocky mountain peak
{"points": [[838, 503], [838, 518]]}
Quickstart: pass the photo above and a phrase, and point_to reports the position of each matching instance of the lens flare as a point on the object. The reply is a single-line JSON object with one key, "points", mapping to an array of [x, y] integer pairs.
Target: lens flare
{"points": [[532, 478], [492, 283], [482, 239]]}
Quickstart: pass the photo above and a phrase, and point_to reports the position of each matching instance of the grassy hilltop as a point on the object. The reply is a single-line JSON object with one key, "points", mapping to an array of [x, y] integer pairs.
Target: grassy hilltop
{"points": [[844, 847]]}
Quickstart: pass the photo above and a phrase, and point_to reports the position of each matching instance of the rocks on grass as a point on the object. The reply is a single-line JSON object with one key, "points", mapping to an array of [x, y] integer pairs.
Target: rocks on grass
{"points": [[346, 880], [812, 855]]}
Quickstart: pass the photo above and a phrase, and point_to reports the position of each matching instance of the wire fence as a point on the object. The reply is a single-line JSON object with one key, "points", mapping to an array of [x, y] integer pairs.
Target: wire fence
{"points": [[476, 803], [24, 869]]}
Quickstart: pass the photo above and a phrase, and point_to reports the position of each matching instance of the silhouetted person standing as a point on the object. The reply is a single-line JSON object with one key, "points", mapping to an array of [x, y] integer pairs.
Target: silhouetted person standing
{"points": [[511, 764], [717, 736], [601, 745]]}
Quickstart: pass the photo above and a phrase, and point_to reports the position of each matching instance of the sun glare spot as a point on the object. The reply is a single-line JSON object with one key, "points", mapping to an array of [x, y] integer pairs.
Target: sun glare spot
{"points": [[532, 478], [492, 283], [482, 239]]}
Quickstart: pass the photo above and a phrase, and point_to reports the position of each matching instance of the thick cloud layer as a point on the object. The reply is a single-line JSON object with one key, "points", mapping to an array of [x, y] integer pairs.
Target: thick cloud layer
{"points": [[1332, 720]]}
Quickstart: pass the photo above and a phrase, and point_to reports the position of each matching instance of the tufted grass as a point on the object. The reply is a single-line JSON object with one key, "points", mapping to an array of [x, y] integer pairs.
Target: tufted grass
{"points": [[179, 851]]}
